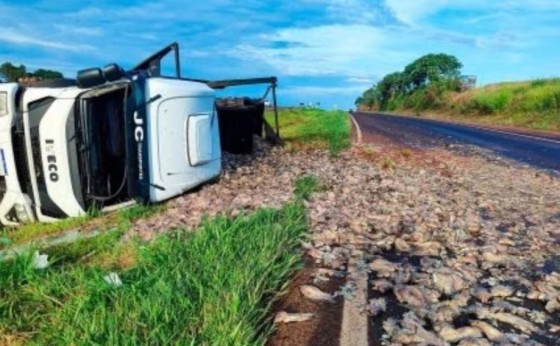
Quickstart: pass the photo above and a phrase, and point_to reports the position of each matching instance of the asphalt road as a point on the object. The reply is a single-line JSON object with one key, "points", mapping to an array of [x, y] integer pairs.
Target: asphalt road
{"points": [[533, 148]]}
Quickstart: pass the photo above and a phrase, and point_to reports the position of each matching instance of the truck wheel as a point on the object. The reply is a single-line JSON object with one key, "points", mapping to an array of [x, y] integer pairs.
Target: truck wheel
{"points": [[53, 83]]}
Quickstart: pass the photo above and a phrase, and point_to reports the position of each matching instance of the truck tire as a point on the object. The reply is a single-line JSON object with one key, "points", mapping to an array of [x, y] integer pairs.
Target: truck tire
{"points": [[53, 83]]}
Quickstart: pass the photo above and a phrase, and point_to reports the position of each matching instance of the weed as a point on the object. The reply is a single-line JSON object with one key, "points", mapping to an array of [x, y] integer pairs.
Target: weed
{"points": [[306, 185], [406, 153], [369, 149], [387, 163]]}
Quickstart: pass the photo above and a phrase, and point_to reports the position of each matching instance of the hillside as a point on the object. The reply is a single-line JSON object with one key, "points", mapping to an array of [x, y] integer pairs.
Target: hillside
{"points": [[533, 104]]}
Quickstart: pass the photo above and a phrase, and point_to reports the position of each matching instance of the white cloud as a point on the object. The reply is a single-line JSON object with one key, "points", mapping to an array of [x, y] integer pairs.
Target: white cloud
{"points": [[323, 90], [14, 37], [355, 11], [415, 11], [360, 80], [321, 50], [409, 12], [79, 30]]}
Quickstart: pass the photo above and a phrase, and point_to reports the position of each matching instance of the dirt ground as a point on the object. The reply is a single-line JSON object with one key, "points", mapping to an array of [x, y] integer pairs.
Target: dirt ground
{"points": [[324, 328]]}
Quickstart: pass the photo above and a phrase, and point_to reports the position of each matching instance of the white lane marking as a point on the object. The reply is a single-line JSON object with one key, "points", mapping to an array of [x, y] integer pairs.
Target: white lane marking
{"points": [[511, 133], [354, 329], [478, 127], [358, 130]]}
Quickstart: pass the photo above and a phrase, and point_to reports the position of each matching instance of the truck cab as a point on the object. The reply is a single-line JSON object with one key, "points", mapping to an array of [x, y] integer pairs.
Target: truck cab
{"points": [[111, 137], [64, 151]]}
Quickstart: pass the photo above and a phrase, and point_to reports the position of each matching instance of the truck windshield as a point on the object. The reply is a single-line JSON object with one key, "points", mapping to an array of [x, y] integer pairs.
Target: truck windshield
{"points": [[101, 145]]}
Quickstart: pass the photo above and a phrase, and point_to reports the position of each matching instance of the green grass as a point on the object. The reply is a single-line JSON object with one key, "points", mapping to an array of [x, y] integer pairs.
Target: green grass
{"points": [[306, 185], [533, 104], [29, 232], [314, 128], [210, 287]]}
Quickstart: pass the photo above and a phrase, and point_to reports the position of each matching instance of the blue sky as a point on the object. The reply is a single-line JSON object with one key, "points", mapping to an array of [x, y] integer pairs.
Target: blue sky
{"points": [[325, 51]]}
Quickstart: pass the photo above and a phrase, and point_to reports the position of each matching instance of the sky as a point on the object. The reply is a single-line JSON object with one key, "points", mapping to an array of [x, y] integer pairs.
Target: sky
{"points": [[326, 51]]}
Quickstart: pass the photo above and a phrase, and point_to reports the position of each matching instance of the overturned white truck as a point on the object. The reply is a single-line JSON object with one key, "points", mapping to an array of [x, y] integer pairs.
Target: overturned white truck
{"points": [[107, 138]]}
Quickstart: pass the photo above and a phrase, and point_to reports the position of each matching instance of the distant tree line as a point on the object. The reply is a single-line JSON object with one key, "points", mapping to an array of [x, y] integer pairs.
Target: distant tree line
{"points": [[419, 86], [11, 73]]}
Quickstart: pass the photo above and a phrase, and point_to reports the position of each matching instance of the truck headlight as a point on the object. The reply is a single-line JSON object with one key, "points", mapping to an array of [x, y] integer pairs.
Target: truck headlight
{"points": [[3, 103], [21, 213]]}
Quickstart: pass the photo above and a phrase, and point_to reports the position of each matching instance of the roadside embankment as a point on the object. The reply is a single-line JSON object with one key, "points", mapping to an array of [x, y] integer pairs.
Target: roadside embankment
{"points": [[533, 104]]}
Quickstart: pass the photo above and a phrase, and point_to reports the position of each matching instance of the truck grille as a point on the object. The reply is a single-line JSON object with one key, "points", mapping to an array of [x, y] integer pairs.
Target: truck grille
{"points": [[37, 110]]}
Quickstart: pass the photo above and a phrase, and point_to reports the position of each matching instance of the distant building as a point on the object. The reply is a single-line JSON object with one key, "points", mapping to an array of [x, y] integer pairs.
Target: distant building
{"points": [[468, 82]]}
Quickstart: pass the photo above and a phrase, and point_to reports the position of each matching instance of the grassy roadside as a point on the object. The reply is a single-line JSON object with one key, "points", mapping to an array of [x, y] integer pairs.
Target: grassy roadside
{"points": [[119, 220], [303, 128], [209, 287], [533, 104]]}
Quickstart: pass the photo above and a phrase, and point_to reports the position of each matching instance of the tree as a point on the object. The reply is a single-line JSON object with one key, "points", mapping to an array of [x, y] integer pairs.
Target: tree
{"points": [[359, 101], [422, 83], [391, 85], [432, 68], [11, 73], [47, 74], [369, 98]]}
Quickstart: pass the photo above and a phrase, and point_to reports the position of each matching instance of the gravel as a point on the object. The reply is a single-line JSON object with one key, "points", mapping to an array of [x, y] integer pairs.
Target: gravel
{"points": [[470, 245]]}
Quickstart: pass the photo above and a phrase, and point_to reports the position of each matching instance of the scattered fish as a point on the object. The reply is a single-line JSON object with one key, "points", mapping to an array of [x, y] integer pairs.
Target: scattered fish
{"points": [[448, 281], [409, 295], [382, 267], [443, 314], [382, 285], [314, 293], [40, 261], [474, 342], [444, 224], [553, 305], [489, 331], [515, 321], [402, 246], [501, 291], [113, 279], [285, 317], [451, 334], [376, 306]]}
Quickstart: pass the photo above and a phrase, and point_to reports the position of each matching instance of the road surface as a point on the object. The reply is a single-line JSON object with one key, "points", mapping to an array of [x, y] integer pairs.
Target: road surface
{"points": [[540, 150]]}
